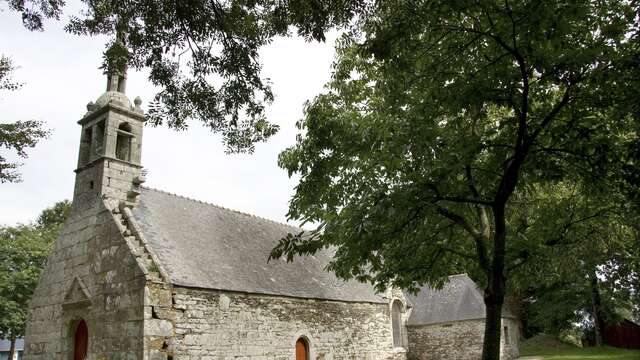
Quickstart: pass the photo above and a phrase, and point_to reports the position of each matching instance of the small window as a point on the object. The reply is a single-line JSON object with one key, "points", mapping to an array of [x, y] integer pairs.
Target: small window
{"points": [[396, 322], [123, 142], [302, 349], [506, 335]]}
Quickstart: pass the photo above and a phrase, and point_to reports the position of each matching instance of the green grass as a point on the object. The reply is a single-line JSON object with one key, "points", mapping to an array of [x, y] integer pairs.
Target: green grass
{"points": [[556, 350]]}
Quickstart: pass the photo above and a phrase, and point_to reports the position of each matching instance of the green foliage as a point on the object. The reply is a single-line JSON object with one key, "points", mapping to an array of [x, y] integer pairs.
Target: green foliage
{"points": [[446, 127], [55, 216], [23, 254], [18, 136], [204, 55], [6, 67], [591, 252], [34, 12], [430, 107]]}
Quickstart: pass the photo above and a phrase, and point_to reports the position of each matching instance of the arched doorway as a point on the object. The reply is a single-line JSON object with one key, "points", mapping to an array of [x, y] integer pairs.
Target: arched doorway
{"points": [[302, 349], [80, 341]]}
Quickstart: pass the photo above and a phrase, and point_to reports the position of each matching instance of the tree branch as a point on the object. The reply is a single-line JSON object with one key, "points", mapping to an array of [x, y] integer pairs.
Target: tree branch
{"points": [[568, 225], [481, 249], [480, 209], [549, 117], [456, 199]]}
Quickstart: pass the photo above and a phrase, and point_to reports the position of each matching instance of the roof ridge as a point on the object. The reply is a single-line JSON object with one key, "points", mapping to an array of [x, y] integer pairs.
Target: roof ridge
{"points": [[220, 207], [459, 275]]}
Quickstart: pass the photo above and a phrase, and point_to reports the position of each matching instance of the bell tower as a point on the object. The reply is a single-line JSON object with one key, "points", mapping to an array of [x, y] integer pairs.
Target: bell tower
{"points": [[110, 147]]}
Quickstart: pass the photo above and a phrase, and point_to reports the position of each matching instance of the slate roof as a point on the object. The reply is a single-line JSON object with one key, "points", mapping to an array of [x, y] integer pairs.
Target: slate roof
{"points": [[5, 345], [202, 245], [459, 299]]}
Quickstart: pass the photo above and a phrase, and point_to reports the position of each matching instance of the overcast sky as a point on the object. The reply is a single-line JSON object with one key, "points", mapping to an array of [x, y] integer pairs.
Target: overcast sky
{"points": [[60, 75]]}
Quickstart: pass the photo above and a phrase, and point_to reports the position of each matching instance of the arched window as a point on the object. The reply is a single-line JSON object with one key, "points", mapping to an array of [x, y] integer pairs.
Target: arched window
{"points": [[123, 142], [99, 139], [85, 146], [302, 349], [80, 341], [396, 323]]}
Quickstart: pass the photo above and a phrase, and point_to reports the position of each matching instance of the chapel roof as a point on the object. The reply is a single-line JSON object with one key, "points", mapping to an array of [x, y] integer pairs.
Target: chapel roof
{"points": [[206, 246], [459, 299]]}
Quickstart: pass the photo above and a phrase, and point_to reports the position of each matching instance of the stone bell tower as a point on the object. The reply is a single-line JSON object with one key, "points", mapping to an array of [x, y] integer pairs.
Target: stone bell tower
{"points": [[110, 146]]}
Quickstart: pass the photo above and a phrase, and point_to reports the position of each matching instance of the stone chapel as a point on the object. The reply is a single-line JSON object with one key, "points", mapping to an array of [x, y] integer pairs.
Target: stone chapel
{"points": [[139, 273]]}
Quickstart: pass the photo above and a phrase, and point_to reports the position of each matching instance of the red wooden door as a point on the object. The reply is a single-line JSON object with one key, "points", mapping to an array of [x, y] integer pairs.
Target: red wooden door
{"points": [[81, 341], [302, 352]]}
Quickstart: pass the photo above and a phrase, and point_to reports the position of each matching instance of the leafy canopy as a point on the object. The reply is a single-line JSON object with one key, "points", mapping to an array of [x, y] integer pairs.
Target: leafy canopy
{"points": [[441, 121], [202, 54], [438, 113], [584, 244], [23, 254]]}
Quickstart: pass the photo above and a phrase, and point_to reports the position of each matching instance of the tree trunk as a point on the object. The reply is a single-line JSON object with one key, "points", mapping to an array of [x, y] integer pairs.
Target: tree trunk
{"points": [[496, 289], [12, 348], [492, 326], [596, 303]]}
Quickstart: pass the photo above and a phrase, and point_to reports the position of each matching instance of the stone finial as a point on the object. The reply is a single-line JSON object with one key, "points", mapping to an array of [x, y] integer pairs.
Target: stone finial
{"points": [[137, 101], [91, 106]]}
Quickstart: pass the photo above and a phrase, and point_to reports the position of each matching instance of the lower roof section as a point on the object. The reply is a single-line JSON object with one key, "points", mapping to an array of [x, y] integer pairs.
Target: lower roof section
{"points": [[459, 299]]}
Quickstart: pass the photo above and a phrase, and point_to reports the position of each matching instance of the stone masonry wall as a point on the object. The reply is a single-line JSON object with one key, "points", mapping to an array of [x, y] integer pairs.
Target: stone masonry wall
{"points": [[510, 342], [225, 325], [90, 275], [457, 340]]}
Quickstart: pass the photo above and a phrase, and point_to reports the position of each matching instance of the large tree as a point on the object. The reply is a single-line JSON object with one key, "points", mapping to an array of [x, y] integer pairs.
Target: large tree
{"points": [[23, 254], [440, 119]]}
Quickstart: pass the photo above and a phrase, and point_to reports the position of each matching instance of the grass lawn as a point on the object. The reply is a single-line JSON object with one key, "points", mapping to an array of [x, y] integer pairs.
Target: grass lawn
{"points": [[605, 353], [575, 353]]}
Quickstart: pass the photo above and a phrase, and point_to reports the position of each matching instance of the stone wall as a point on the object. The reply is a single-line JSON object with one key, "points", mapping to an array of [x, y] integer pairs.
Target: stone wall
{"points": [[226, 325], [511, 341], [90, 275], [458, 340]]}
